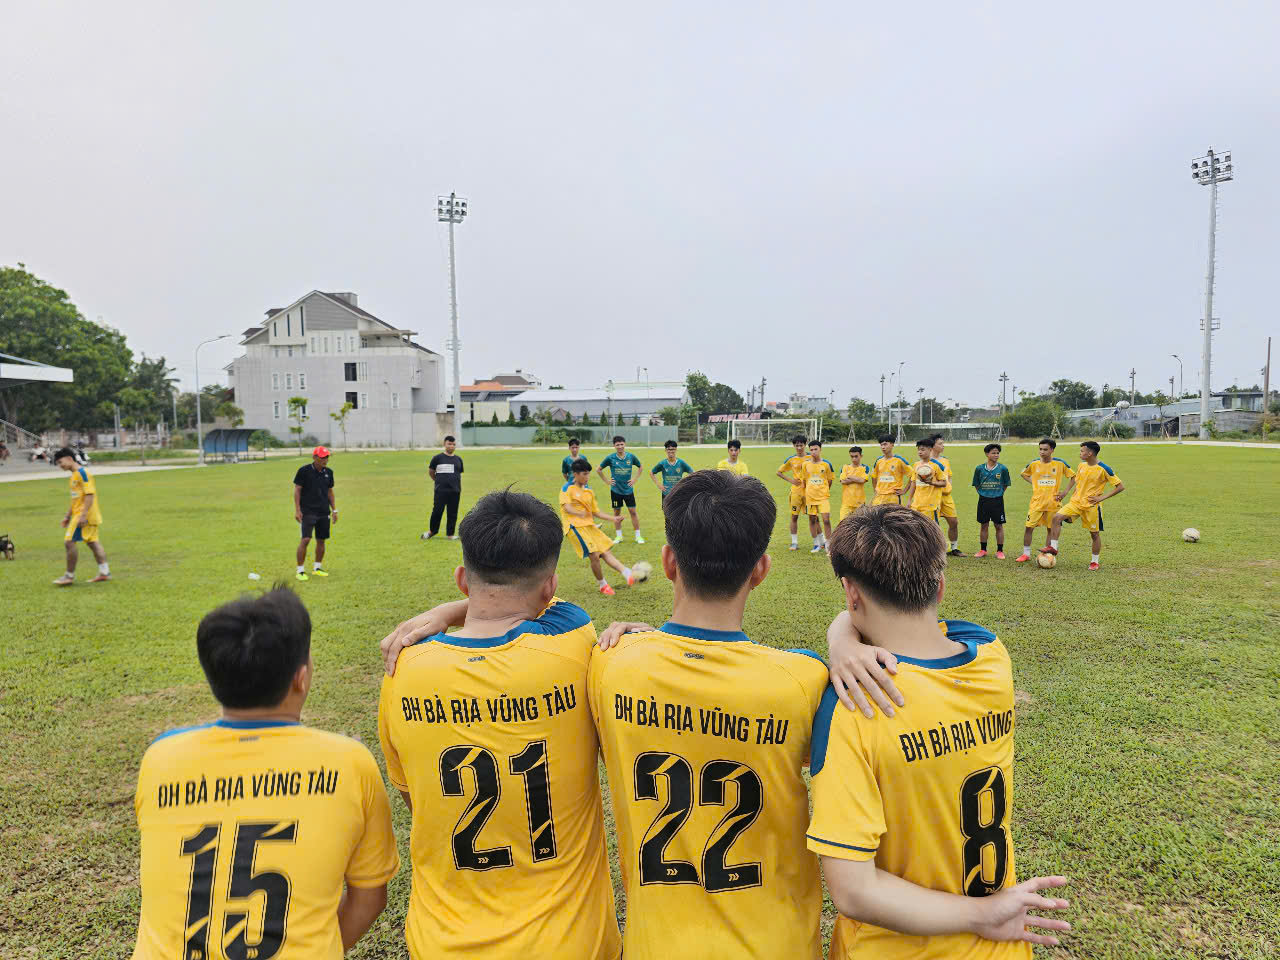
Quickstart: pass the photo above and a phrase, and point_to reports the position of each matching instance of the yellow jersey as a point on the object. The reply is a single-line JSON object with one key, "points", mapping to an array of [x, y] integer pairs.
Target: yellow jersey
{"points": [[925, 497], [927, 793], [249, 829], [494, 743], [818, 478], [704, 736], [1091, 481], [82, 486], [584, 499], [795, 463], [946, 470], [890, 474], [853, 494], [1046, 480], [740, 468]]}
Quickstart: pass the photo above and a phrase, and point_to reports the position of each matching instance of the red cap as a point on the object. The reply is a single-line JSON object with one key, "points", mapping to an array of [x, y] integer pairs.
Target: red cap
{"points": [[320, 452]]}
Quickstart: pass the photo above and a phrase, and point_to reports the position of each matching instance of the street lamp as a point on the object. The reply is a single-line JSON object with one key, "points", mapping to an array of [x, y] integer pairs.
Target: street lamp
{"points": [[1209, 170], [648, 405], [451, 210], [1181, 386], [920, 391], [199, 420], [901, 364], [882, 406]]}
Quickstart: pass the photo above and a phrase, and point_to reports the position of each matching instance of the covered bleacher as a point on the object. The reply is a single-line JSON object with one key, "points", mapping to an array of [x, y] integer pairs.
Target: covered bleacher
{"points": [[230, 446]]}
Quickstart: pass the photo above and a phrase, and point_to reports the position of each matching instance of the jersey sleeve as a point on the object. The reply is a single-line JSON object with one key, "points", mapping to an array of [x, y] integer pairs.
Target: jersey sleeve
{"points": [[1111, 479], [374, 860], [87, 484], [657, 468], [1007, 479], [977, 478], [687, 468], [848, 810], [395, 770]]}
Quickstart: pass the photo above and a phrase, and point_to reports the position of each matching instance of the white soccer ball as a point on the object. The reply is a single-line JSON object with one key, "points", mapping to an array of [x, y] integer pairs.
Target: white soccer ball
{"points": [[254, 576], [642, 571], [924, 471], [1122, 404], [1191, 535]]}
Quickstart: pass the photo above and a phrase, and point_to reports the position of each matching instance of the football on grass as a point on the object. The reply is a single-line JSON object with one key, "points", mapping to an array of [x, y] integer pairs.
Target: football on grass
{"points": [[1191, 535], [1047, 560], [642, 571]]}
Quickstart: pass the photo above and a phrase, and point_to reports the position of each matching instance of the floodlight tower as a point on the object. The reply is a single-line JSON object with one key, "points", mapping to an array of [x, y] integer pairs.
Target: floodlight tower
{"points": [[451, 210], [1209, 170]]}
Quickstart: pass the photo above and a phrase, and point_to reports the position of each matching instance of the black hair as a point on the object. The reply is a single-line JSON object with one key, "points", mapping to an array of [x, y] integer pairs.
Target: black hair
{"points": [[449, 438], [1093, 445], [1053, 444], [923, 442], [63, 452], [886, 438], [799, 438], [251, 648], [936, 437], [619, 439], [897, 555], [735, 444], [580, 466], [574, 442], [510, 537], [855, 449], [815, 443], [670, 444], [718, 526], [992, 446]]}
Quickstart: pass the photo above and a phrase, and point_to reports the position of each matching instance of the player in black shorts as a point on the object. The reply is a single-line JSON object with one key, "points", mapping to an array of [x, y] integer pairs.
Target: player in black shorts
{"points": [[312, 505], [991, 479]]}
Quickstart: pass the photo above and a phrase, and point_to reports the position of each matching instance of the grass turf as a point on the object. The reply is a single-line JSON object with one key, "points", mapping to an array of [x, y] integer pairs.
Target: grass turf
{"points": [[1147, 760]]}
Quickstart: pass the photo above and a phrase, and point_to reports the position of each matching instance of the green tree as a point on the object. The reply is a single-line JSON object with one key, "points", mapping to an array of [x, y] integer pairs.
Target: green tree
{"points": [[635, 420], [524, 413], [1032, 418], [1073, 394], [724, 399], [511, 418], [699, 386], [339, 417], [604, 418], [230, 412], [298, 414], [39, 322], [136, 407], [494, 419], [863, 410]]}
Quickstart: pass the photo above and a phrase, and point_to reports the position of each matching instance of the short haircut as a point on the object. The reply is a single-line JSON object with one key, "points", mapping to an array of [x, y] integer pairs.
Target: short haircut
{"points": [[855, 449], [815, 443], [924, 443], [580, 466], [735, 444], [1053, 444], [510, 538], [250, 648], [1093, 445], [449, 438], [718, 526], [799, 438], [936, 437], [894, 553], [670, 445], [63, 452], [574, 442], [619, 439], [992, 446], [885, 438]]}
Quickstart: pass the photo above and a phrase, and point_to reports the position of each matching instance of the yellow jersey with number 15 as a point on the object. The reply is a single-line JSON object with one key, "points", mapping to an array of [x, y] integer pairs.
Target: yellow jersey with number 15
{"points": [[704, 736], [927, 793], [249, 829], [494, 742]]}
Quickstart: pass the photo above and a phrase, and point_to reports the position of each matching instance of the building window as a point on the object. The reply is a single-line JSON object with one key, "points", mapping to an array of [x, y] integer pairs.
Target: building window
{"points": [[275, 381], [337, 343], [364, 342], [302, 321], [349, 372], [364, 372], [326, 344], [313, 344], [275, 330], [353, 344], [302, 381], [364, 400], [275, 410], [288, 332], [288, 381], [275, 351], [302, 409], [353, 400], [288, 351], [395, 401]]}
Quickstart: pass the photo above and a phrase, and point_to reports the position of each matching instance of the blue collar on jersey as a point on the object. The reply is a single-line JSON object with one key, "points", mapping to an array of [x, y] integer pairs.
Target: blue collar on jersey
{"points": [[961, 631], [698, 633], [253, 724], [559, 617]]}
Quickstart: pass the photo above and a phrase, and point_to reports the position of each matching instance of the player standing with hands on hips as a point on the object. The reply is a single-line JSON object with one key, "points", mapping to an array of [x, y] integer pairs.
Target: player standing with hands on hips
{"points": [[313, 504], [446, 472]]}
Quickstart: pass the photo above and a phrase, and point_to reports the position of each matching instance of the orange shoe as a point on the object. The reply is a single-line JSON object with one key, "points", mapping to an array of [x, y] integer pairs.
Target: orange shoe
{"points": [[1022, 558], [1052, 550], [999, 554], [1094, 566], [101, 578], [980, 554], [606, 590]]}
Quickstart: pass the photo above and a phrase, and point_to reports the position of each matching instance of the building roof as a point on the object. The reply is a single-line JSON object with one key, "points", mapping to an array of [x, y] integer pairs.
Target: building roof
{"points": [[343, 302], [654, 393]]}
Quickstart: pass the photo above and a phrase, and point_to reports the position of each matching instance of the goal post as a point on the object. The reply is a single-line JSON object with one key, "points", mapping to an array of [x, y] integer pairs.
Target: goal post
{"points": [[776, 431]]}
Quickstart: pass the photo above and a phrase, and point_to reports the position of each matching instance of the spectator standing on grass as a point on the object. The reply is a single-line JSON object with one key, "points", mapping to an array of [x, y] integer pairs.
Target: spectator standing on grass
{"points": [[446, 472], [313, 504]]}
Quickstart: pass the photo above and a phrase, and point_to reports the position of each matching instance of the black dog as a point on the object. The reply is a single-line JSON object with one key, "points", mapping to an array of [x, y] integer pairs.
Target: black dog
{"points": [[6, 546]]}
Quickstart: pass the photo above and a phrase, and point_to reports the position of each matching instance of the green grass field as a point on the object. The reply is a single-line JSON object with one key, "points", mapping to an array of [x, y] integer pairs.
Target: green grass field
{"points": [[1148, 759]]}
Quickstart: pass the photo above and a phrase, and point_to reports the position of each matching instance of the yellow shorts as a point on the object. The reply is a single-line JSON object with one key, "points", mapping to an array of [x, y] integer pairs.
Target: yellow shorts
{"points": [[588, 540], [848, 508], [948, 508], [886, 498], [1090, 517], [86, 534], [797, 501], [927, 511], [818, 507], [1041, 518]]}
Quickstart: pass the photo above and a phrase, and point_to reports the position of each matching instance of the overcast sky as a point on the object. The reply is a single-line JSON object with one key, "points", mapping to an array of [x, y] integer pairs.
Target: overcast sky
{"points": [[805, 192]]}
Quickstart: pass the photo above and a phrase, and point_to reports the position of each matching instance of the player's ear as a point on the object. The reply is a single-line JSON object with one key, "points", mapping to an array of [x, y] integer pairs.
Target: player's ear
{"points": [[942, 587], [668, 562], [548, 590], [301, 683], [761, 570], [460, 578]]}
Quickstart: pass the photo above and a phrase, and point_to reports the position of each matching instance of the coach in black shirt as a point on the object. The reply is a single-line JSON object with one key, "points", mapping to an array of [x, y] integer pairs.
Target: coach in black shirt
{"points": [[312, 503], [446, 470]]}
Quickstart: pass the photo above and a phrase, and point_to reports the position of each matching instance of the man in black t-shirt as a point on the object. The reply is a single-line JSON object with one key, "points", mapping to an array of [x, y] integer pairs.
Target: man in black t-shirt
{"points": [[446, 471], [312, 504]]}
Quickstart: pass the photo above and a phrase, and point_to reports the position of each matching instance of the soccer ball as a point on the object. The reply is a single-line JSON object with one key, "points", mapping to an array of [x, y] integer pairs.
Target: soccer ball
{"points": [[1191, 535], [924, 471], [1047, 561], [642, 570], [1122, 404]]}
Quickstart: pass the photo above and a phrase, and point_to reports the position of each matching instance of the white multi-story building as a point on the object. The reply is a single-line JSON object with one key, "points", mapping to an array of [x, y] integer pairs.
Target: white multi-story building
{"points": [[326, 350]]}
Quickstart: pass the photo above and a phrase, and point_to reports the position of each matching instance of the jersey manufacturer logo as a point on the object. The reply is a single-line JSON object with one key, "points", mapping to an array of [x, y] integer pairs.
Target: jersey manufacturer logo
{"points": [[694, 656], [474, 659]]}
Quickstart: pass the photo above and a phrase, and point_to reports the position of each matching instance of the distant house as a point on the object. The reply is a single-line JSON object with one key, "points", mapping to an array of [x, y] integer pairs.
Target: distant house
{"points": [[484, 398], [326, 348], [619, 401]]}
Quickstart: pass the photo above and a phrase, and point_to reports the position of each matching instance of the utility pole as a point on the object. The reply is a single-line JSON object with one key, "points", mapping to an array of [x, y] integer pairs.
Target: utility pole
{"points": [[882, 406], [1004, 379], [1209, 170], [1266, 381], [1133, 376], [452, 209]]}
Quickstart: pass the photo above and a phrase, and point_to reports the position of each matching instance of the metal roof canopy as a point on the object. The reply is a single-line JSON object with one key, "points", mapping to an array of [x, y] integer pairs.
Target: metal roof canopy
{"points": [[18, 371]]}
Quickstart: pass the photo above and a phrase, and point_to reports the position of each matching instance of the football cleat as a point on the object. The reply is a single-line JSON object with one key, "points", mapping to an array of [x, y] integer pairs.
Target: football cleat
{"points": [[980, 553], [301, 577], [639, 539], [1022, 558], [317, 572], [101, 578], [955, 553], [794, 546], [64, 581], [999, 554], [617, 537], [1094, 566], [606, 590], [1053, 550]]}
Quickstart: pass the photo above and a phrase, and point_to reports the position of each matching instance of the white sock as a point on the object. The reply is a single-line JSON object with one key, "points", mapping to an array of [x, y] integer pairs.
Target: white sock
{"points": [[604, 582], [626, 573], [1054, 544], [316, 566], [301, 567], [1026, 551], [71, 575], [104, 569], [955, 544], [1097, 558], [795, 539]]}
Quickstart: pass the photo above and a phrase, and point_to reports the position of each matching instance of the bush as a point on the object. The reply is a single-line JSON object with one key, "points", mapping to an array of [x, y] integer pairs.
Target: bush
{"points": [[545, 434], [1031, 419], [310, 440]]}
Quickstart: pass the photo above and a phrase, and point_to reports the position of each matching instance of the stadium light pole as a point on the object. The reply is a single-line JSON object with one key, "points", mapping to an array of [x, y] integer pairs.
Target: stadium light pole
{"points": [[1209, 170], [1181, 386], [920, 391], [882, 406], [199, 419], [901, 364], [451, 210]]}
